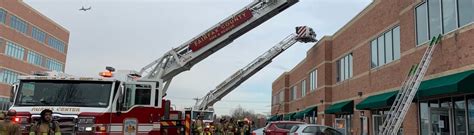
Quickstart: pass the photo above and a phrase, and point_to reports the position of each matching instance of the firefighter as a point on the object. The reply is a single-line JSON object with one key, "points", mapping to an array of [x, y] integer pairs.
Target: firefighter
{"points": [[231, 127], [199, 126], [46, 125], [6, 126], [219, 127], [244, 127], [247, 127]]}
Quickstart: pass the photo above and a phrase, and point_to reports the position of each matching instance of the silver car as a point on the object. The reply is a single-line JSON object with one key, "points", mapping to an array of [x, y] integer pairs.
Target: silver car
{"points": [[258, 131], [313, 129]]}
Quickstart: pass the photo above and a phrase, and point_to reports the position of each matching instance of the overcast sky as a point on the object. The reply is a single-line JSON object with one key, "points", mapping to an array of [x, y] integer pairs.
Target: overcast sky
{"points": [[128, 34]]}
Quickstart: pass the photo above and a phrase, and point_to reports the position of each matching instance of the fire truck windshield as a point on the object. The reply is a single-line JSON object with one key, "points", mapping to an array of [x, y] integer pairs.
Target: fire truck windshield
{"points": [[64, 93], [204, 115]]}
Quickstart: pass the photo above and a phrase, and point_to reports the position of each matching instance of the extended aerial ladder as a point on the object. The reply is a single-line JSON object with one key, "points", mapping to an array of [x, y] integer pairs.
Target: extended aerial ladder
{"points": [[200, 47], [303, 34], [394, 119]]}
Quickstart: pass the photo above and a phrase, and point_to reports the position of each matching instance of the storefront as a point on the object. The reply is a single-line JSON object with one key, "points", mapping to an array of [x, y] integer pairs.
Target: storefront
{"points": [[378, 106], [446, 105], [308, 115], [344, 112]]}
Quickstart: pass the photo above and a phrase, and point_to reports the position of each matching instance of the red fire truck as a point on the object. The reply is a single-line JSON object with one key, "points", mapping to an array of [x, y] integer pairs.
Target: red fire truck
{"points": [[130, 102]]}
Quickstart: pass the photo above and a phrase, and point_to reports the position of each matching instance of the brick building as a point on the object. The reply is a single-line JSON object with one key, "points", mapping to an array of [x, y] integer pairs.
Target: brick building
{"points": [[349, 80], [29, 42]]}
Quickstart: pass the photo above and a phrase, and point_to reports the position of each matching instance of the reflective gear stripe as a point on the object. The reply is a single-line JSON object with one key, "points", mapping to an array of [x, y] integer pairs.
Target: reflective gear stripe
{"points": [[168, 123], [188, 124]]}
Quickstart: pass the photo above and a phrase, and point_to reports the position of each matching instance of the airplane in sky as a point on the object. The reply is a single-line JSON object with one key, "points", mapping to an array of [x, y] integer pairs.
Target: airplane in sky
{"points": [[85, 9]]}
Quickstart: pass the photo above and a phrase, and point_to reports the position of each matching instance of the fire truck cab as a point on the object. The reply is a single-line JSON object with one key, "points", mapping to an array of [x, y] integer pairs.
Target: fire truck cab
{"points": [[94, 105]]}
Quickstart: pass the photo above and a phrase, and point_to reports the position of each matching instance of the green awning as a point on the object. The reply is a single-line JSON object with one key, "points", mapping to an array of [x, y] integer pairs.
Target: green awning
{"points": [[383, 100], [301, 114], [450, 84], [274, 118], [288, 116], [341, 108]]}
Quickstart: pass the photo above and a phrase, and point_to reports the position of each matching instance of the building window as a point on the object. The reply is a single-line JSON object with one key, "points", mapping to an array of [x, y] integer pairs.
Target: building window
{"points": [[303, 88], [35, 58], [344, 68], [434, 17], [293, 93], [282, 96], [313, 80], [396, 43], [274, 99], [7, 76], [385, 48], [449, 15], [38, 34], [441, 16], [14, 51], [54, 65], [3, 15], [56, 44], [421, 24], [465, 8], [18, 24]]}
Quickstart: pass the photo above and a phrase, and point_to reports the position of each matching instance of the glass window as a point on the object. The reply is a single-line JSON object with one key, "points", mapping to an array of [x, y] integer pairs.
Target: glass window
{"points": [[449, 15], [350, 65], [396, 43], [343, 70], [460, 116], [374, 56], [137, 95], [465, 8], [388, 47], [315, 76], [381, 47], [3, 15], [282, 96], [14, 50], [470, 109], [364, 126], [303, 88], [18, 24], [9, 77], [38, 34], [434, 9], [344, 67], [311, 129], [313, 80], [293, 93], [330, 131], [338, 72], [378, 121], [421, 24], [35, 58], [347, 68], [340, 125], [64, 93], [54, 65], [56, 44], [424, 118]]}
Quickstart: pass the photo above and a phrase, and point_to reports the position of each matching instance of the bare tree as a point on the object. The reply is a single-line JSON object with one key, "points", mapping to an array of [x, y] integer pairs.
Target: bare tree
{"points": [[240, 113]]}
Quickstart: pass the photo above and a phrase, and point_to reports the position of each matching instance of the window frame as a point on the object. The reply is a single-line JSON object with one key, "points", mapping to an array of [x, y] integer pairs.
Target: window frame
{"points": [[303, 88]]}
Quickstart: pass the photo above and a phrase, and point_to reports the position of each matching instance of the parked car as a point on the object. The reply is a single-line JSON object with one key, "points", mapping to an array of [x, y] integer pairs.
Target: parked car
{"points": [[313, 129], [258, 131], [280, 127]]}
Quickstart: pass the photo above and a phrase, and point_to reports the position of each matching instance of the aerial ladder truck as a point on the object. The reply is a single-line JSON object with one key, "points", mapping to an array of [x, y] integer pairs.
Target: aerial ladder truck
{"points": [[394, 119], [204, 105], [126, 101]]}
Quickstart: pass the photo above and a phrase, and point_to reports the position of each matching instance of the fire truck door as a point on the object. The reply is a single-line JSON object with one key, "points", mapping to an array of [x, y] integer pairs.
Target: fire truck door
{"points": [[135, 113]]}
